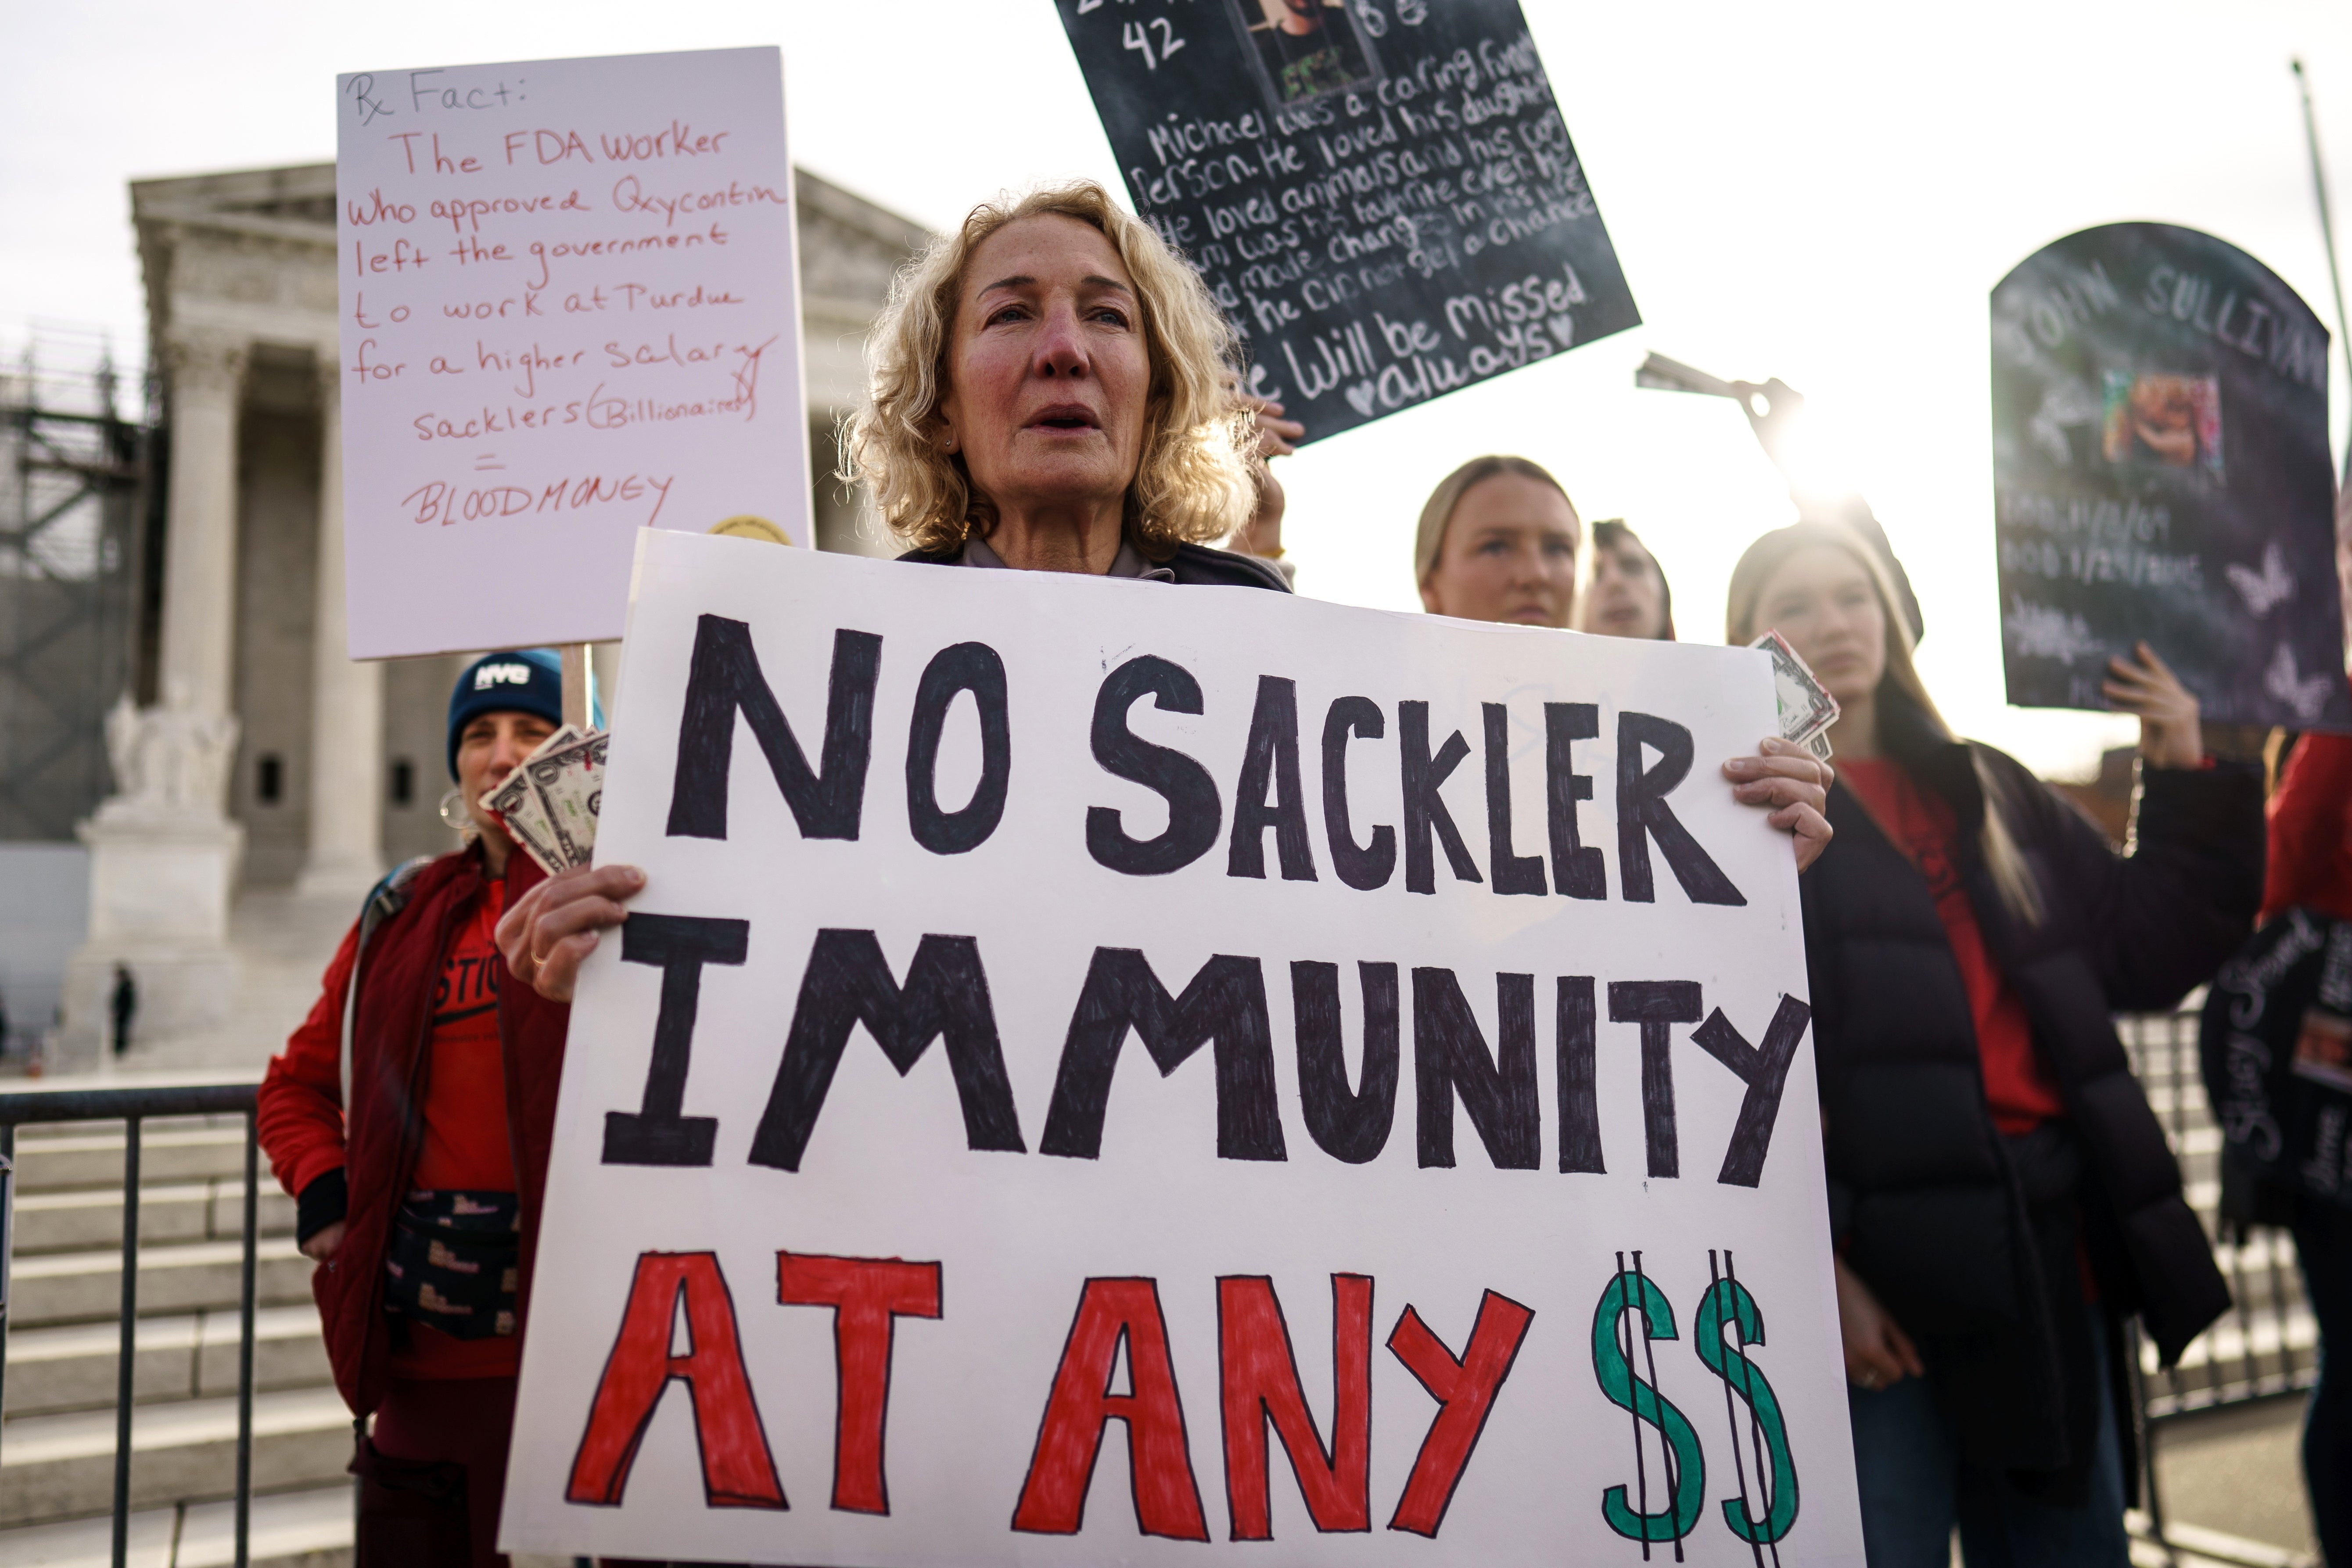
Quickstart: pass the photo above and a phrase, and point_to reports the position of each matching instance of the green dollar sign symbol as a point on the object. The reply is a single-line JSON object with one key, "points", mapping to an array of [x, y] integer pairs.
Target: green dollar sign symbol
{"points": [[1685, 1480], [1727, 1304]]}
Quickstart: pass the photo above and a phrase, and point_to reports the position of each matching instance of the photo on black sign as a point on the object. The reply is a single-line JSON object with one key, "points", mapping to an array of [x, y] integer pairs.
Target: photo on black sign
{"points": [[1304, 49], [2172, 420], [2162, 475]]}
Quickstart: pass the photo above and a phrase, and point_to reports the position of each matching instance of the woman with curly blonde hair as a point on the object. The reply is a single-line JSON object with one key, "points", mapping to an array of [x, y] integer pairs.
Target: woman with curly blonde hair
{"points": [[1050, 390]]}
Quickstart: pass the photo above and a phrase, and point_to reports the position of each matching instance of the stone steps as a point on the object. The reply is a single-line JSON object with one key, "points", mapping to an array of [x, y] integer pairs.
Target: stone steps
{"points": [[191, 1356], [56, 1445], [62, 1465], [89, 1154], [184, 1277], [306, 1529], [73, 1219]]}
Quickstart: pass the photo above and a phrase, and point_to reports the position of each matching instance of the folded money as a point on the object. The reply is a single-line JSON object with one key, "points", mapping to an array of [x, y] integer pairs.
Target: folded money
{"points": [[1807, 709], [570, 782], [549, 802]]}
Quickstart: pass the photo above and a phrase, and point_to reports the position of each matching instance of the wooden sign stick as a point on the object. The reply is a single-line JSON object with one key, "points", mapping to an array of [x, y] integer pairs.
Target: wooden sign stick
{"points": [[579, 686]]}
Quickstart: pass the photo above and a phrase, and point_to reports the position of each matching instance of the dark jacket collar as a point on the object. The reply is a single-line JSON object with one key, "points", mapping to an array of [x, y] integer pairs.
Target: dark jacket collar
{"points": [[1129, 562], [1190, 563]]}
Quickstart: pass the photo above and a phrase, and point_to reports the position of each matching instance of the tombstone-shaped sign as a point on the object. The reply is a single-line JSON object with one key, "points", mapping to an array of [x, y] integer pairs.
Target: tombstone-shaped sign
{"points": [[1381, 194], [2160, 463]]}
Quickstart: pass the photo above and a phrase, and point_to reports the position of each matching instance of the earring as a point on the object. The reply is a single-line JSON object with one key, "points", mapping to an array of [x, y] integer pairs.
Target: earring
{"points": [[453, 812]]}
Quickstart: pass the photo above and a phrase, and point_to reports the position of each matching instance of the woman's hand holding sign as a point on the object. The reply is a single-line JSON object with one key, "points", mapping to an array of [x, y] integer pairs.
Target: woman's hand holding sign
{"points": [[2170, 735], [553, 927], [1794, 785]]}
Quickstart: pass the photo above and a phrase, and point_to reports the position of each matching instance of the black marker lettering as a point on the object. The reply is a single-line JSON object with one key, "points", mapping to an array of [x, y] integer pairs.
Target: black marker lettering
{"points": [[1642, 814], [658, 1133], [1271, 762], [975, 667], [724, 680], [1425, 809], [1193, 812], [1362, 866], [848, 982], [1225, 1002]]}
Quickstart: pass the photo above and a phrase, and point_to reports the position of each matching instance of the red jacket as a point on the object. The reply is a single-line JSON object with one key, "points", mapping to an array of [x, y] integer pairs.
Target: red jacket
{"points": [[2311, 830], [307, 1135]]}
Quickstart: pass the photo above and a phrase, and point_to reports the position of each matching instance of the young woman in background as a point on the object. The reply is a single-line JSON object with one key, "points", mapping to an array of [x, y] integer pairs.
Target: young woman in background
{"points": [[1628, 595], [2002, 1197]]}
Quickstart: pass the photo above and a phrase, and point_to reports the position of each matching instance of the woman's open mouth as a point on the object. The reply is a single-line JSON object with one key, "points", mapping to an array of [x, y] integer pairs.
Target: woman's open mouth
{"points": [[1066, 418]]}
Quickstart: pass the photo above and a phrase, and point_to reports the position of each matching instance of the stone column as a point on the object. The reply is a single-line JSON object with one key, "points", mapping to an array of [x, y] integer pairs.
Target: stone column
{"points": [[207, 375], [163, 854], [346, 696]]}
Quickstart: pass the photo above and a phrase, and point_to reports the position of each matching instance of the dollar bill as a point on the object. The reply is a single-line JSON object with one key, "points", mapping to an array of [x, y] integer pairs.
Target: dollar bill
{"points": [[1807, 710], [521, 809], [570, 782], [524, 816]]}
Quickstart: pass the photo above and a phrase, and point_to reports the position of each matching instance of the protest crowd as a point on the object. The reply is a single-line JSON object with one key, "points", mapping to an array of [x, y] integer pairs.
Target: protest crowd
{"points": [[1054, 388]]}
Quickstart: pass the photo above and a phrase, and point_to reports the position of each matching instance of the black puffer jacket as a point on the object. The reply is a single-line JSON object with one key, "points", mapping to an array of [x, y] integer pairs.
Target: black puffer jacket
{"points": [[1191, 565], [1970, 1238]]}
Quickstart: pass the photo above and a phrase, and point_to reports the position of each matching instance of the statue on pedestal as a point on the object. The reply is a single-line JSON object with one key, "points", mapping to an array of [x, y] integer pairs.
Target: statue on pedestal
{"points": [[163, 868], [170, 762]]}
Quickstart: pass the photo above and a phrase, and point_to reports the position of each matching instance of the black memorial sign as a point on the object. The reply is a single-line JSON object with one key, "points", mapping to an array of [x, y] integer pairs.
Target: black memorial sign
{"points": [[1381, 194], [2161, 464]]}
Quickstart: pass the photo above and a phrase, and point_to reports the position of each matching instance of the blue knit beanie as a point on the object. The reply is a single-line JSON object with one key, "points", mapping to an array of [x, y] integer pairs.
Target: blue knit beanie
{"points": [[529, 682]]}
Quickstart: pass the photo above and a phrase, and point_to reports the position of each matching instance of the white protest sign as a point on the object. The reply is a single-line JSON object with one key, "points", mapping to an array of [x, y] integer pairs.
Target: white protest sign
{"points": [[1099, 1068], [571, 310]]}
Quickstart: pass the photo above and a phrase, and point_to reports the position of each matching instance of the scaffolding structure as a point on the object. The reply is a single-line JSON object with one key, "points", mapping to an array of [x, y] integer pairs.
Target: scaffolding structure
{"points": [[80, 514]]}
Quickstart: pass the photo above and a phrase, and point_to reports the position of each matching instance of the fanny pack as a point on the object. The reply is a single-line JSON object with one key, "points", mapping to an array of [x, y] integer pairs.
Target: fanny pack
{"points": [[452, 1263]]}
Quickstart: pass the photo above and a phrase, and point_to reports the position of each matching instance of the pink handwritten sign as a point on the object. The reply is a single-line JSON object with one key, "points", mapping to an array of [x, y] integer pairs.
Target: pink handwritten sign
{"points": [[571, 310]]}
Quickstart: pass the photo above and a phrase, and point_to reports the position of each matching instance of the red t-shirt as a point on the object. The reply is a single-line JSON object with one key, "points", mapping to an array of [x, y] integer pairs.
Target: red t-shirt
{"points": [[2311, 830], [2017, 1086], [466, 1145]]}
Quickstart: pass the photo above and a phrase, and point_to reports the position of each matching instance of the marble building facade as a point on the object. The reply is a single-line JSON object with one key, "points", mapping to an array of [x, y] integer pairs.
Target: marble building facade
{"points": [[336, 769]]}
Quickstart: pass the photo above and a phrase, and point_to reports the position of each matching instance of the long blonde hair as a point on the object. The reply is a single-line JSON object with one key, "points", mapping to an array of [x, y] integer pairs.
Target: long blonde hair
{"points": [[1193, 482], [2010, 875], [1437, 512]]}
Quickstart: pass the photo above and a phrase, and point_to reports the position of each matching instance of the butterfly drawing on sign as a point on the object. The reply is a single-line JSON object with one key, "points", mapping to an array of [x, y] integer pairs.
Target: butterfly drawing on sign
{"points": [[2306, 694], [2064, 404], [2266, 590]]}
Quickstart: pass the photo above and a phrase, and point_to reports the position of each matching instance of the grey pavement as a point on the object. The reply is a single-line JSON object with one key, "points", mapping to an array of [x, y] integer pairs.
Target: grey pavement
{"points": [[2239, 1470]]}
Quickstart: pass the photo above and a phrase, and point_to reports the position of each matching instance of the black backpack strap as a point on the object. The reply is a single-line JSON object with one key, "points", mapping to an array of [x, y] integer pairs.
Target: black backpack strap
{"points": [[385, 899]]}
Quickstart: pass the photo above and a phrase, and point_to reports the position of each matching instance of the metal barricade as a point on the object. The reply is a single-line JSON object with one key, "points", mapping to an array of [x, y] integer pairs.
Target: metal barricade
{"points": [[131, 1107], [2267, 1344]]}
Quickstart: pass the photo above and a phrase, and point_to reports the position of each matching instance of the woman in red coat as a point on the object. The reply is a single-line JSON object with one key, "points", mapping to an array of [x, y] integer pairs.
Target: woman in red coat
{"points": [[417, 1198]]}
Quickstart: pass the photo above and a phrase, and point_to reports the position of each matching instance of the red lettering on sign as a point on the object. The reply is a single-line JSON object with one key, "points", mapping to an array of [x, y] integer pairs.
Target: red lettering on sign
{"points": [[1167, 1500], [736, 1469], [1261, 1384], [867, 1295], [1465, 1389]]}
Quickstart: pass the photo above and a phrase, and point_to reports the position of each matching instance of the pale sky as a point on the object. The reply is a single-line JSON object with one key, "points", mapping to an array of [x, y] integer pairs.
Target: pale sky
{"points": [[1825, 192]]}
